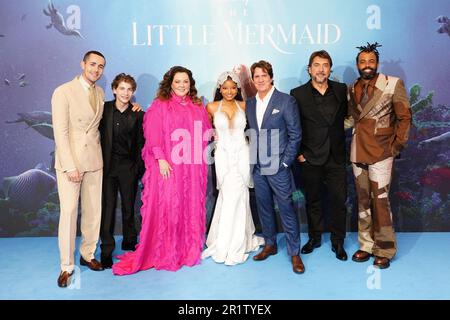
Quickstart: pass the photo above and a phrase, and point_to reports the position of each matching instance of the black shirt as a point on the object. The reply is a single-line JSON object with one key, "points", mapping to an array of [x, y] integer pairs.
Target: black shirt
{"points": [[122, 134], [326, 102]]}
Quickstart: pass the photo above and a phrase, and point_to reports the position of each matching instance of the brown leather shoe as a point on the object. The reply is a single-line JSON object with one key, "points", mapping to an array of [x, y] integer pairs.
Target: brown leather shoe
{"points": [[265, 253], [361, 256], [381, 262], [297, 264], [93, 264], [63, 278]]}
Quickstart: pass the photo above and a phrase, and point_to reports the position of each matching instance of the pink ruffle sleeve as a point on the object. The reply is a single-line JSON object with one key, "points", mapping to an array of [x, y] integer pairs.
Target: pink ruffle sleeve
{"points": [[153, 131]]}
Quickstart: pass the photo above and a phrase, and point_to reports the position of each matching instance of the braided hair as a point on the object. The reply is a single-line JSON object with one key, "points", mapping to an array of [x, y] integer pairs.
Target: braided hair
{"points": [[369, 48]]}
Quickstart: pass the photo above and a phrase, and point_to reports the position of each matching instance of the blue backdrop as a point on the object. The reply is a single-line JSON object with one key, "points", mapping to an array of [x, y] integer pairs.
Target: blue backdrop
{"points": [[42, 43]]}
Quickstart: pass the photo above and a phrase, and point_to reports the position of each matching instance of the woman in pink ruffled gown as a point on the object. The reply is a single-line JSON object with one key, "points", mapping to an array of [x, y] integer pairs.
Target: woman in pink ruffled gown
{"points": [[176, 129]]}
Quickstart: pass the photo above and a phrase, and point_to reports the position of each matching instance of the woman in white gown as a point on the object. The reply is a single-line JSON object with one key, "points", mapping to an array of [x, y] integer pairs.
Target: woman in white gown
{"points": [[232, 233]]}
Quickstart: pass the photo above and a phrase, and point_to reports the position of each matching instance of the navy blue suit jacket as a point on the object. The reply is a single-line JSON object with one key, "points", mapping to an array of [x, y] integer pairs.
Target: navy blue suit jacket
{"points": [[281, 124]]}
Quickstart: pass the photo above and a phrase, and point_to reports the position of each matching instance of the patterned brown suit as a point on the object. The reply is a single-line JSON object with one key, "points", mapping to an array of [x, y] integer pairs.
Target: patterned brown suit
{"points": [[381, 128]]}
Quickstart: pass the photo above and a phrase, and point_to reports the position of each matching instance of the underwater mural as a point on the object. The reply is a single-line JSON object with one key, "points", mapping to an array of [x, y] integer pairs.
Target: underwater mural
{"points": [[42, 42]]}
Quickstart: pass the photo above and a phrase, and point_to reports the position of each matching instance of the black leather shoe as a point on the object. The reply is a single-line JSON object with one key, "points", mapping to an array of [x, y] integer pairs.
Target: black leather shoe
{"points": [[310, 246], [63, 278], [93, 264], [107, 263], [339, 250], [129, 246]]}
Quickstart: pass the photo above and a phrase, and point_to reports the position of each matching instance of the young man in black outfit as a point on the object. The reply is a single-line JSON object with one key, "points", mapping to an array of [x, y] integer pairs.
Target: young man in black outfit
{"points": [[122, 140]]}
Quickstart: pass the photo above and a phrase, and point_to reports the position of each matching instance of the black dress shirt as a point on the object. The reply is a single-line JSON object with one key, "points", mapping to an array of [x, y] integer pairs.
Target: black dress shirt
{"points": [[326, 102], [122, 134]]}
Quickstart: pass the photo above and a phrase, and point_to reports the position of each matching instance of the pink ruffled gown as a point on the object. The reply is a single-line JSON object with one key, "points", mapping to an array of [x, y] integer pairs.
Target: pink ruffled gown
{"points": [[173, 211]]}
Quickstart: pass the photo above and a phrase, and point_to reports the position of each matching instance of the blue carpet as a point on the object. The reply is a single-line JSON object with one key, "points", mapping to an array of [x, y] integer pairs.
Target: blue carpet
{"points": [[29, 268]]}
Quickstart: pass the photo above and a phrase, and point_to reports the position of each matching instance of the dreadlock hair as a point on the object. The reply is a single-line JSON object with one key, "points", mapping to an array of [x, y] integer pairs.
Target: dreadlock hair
{"points": [[369, 48]]}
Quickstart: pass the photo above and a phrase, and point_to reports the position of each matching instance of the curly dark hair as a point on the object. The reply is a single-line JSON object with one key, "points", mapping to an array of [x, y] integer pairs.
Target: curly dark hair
{"points": [[122, 77], [369, 48], [165, 86]]}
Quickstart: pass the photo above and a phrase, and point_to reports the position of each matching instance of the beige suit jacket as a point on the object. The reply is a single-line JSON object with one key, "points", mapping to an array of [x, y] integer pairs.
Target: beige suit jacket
{"points": [[75, 126]]}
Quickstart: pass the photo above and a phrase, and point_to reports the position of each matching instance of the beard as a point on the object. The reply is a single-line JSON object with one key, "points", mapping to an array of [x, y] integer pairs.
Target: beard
{"points": [[367, 73], [320, 78]]}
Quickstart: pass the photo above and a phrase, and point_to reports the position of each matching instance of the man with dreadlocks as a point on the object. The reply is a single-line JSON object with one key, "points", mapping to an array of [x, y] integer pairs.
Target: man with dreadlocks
{"points": [[379, 106]]}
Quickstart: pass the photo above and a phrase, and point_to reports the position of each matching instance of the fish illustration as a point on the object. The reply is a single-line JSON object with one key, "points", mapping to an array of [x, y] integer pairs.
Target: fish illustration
{"points": [[445, 25], [7, 82], [21, 76], [23, 84], [42, 167], [41, 121], [443, 19], [28, 190], [443, 138], [57, 21]]}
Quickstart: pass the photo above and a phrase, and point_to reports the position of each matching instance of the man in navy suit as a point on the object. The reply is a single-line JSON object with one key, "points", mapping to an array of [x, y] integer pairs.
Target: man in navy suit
{"points": [[275, 138]]}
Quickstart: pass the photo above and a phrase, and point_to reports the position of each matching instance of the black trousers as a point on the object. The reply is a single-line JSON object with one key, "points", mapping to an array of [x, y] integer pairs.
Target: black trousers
{"points": [[122, 178], [332, 176]]}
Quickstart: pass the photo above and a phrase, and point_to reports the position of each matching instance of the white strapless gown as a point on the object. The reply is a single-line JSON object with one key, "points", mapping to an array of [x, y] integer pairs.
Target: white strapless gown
{"points": [[232, 233]]}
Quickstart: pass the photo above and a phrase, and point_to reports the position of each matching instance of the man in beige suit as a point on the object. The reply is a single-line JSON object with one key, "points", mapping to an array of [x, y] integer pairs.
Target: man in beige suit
{"points": [[379, 107], [77, 107]]}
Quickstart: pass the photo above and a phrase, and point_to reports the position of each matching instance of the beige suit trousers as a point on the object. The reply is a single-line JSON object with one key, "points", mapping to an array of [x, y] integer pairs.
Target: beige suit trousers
{"points": [[90, 191]]}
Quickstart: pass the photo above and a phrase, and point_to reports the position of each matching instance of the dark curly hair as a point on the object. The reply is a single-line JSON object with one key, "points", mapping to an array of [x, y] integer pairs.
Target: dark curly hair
{"points": [[122, 77], [165, 86], [369, 48]]}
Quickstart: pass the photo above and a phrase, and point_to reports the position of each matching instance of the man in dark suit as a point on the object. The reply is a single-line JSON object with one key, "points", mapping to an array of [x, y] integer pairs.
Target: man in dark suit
{"points": [[122, 139], [322, 106], [274, 137]]}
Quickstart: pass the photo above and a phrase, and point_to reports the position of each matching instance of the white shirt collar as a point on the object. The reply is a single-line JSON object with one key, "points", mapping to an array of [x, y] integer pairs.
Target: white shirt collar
{"points": [[261, 106], [266, 99], [85, 84]]}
